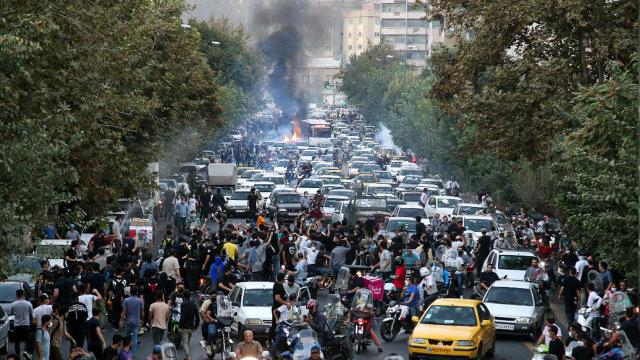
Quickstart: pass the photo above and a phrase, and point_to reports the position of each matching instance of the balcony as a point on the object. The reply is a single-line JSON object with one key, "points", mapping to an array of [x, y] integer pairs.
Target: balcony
{"points": [[417, 15], [403, 31]]}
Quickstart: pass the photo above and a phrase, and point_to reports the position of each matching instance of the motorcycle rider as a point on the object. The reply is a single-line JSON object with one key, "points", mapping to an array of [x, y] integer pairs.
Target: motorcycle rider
{"points": [[316, 320], [535, 273], [411, 296], [248, 347], [398, 278], [428, 288]]}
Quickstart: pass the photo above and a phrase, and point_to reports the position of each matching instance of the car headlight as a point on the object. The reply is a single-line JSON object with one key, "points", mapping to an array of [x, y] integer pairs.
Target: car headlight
{"points": [[465, 342], [253, 322], [282, 210], [524, 320], [415, 340]]}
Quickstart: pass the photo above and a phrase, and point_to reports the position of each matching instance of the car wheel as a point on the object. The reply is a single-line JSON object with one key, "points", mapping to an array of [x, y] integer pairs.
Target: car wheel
{"points": [[4, 348], [492, 352], [480, 355]]}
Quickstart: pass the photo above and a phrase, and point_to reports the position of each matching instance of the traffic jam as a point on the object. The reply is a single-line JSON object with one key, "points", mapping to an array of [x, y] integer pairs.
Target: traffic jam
{"points": [[316, 240]]}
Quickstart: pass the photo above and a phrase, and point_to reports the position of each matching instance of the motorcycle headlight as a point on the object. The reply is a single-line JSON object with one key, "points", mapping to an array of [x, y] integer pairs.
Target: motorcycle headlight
{"points": [[465, 342], [253, 322], [524, 320], [542, 264], [415, 340]]}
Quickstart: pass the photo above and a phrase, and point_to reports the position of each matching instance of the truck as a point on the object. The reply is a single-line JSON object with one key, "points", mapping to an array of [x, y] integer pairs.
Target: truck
{"points": [[222, 175]]}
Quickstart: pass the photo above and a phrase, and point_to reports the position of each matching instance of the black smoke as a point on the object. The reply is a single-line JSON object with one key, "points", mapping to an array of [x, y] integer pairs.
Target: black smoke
{"points": [[287, 30]]}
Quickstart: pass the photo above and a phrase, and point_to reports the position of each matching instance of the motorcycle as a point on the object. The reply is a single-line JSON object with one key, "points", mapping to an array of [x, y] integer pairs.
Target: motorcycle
{"points": [[398, 317], [586, 320], [361, 316], [313, 284], [222, 344]]}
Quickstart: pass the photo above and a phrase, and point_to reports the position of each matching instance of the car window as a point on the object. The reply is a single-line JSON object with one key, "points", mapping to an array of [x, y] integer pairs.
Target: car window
{"points": [[492, 259], [411, 197], [370, 203], [514, 262], [432, 202], [288, 198], [310, 184], [448, 202], [450, 315], [509, 296], [468, 210], [240, 195], [409, 225], [8, 292], [476, 225], [257, 297], [483, 312], [411, 212]]}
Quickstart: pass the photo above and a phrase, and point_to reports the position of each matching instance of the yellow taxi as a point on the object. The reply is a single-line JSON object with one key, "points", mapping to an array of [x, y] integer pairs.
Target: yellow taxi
{"points": [[454, 328]]}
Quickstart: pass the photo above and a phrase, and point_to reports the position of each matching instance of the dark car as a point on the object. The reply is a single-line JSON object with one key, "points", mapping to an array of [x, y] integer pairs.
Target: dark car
{"points": [[8, 295], [361, 208], [285, 205]]}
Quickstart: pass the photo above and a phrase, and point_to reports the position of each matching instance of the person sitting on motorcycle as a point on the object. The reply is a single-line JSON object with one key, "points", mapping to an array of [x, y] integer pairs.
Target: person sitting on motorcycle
{"points": [[398, 277], [411, 296], [316, 320], [248, 347], [210, 321], [316, 353], [488, 277], [366, 312], [428, 288], [628, 324], [356, 282]]}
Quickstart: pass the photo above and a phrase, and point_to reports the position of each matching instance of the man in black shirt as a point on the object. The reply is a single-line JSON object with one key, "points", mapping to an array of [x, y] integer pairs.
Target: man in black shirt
{"points": [[252, 203], [279, 298], [95, 340], [630, 327], [62, 290], [484, 248], [289, 251], [420, 227], [112, 351], [556, 346], [571, 291], [488, 277], [77, 315], [228, 280]]}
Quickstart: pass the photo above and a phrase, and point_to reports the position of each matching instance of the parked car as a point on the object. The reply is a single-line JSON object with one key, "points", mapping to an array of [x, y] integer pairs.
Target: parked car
{"points": [[442, 205], [410, 211], [311, 186], [4, 331], [410, 197], [516, 307]]}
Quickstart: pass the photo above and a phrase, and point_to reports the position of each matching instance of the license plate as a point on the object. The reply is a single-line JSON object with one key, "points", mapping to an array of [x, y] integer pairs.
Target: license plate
{"points": [[360, 330], [437, 350], [505, 326], [292, 214]]}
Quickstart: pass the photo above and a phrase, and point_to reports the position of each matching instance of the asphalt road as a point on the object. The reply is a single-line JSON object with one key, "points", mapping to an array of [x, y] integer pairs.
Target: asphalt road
{"points": [[507, 348]]}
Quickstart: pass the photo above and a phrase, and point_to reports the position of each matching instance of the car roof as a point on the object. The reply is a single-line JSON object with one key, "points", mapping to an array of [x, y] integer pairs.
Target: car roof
{"points": [[456, 302], [250, 285], [402, 218], [512, 284], [470, 204], [476, 217], [515, 252], [263, 183], [337, 197], [409, 206], [444, 197], [288, 192]]}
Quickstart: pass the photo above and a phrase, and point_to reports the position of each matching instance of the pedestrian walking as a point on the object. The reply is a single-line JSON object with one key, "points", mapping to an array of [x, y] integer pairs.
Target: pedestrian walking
{"points": [[159, 314], [132, 318], [76, 317], [95, 340], [58, 332], [22, 312], [42, 340], [189, 322]]}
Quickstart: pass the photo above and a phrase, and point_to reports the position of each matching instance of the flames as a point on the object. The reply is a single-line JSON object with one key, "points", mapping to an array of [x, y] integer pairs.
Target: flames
{"points": [[291, 139]]}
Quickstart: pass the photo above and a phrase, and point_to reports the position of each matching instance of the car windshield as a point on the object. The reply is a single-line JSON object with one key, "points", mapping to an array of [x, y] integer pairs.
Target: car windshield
{"points": [[396, 164], [248, 174], [257, 297], [413, 197], [370, 203], [51, 251], [288, 198], [411, 212], [307, 183], [310, 153], [257, 176], [224, 191], [476, 225], [469, 210], [331, 203], [240, 195], [278, 180], [410, 225], [448, 202], [509, 296], [384, 175], [264, 188], [8, 292], [410, 172], [411, 180], [331, 180], [380, 190], [514, 262], [348, 193], [450, 316]]}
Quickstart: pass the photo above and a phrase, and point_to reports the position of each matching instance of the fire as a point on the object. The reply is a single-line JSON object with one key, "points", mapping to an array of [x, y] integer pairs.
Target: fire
{"points": [[291, 139]]}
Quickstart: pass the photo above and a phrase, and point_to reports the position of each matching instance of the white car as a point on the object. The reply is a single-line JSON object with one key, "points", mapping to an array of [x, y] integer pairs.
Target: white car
{"points": [[264, 188], [405, 171], [436, 182], [395, 166], [311, 186], [442, 205], [330, 180], [237, 205], [309, 154], [475, 223], [410, 197], [510, 264], [410, 211], [516, 306], [467, 209], [4, 331], [280, 166], [244, 178], [276, 179], [251, 302], [373, 189], [334, 207]]}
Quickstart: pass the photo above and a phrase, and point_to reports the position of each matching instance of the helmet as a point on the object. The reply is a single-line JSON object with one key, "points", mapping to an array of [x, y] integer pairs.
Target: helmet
{"points": [[398, 260], [424, 272], [312, 306]]}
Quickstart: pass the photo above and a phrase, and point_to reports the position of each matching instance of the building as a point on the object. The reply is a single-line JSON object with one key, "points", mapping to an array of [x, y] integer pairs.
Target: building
{"points": [[402, 25], [316, 76], [361, 29]]}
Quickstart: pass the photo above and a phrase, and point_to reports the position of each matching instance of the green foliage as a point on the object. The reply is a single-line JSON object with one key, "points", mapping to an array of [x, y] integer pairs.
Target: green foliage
{"points": [[598, 171], [90, 92]]}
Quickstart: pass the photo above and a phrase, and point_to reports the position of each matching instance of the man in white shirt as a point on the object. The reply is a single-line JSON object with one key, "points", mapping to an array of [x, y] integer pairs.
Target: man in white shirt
{"points": [[424, 197], [289, 310], [88, 298], [594, 301], [43, 309], [580, 266]]}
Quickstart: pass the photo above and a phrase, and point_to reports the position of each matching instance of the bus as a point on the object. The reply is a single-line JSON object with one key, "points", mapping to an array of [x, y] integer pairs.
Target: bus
{"points": [[317, 131]]}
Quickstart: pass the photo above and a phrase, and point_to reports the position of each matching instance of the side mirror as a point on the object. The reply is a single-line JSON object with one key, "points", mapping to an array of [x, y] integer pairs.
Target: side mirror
{"points": [[485, 323], [415, 319]]}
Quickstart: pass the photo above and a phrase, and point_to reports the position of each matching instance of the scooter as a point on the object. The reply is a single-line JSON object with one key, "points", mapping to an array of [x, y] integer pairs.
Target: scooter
{"points": [[361, 336], [397, 318]]}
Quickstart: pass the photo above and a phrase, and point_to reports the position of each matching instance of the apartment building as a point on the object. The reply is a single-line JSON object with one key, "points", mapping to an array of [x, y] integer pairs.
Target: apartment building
{"points": [[402, 26], [361, 29]]}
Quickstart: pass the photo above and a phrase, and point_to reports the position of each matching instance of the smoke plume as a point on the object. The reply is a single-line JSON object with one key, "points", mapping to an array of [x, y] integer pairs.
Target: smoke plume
{"points": [[290, 28], [384, 137]]}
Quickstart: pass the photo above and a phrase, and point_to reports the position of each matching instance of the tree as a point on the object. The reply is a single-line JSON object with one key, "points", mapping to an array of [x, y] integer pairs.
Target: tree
{"points": [[90, 92], [598, 170]]}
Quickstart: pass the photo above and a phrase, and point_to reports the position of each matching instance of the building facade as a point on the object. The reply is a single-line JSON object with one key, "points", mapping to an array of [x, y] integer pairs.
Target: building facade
{"points": [[402, 25], [361, 30]]}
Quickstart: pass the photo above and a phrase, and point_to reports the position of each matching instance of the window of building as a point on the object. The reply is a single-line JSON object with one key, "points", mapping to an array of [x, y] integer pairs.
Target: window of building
{"points": [[393, 23], [393, 39], [360, 20], [393, 7], [348, 35], [359, 34], [376, 34], [350, 22], [350, 47], [359, 46], [416, 23]]}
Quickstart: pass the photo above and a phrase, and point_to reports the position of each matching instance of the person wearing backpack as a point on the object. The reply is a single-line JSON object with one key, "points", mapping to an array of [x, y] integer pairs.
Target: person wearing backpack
{"points": [[58, 331], [77, 315], [189, 322], [116, 294], [43, 340]]}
